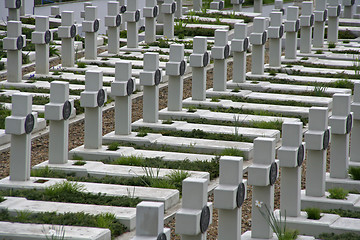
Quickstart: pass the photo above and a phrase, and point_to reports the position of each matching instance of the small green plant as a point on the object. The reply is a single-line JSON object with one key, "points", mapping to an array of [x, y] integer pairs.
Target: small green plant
{"points": [[168, 121], [254, 82], [354, 173], [319, 90], [25, 58], [23, 215], [79, 163], [192, 109], [331, 45], [232, 152], [305, 58], [272, 72], [2, 66], [338, 193], [81, 65], [346, 41], [113, 146], [56, 73], [313, 213], [2, 198], [63, 188], [356, 65], [142, 133], [77, 157], [215, 99], [289, 66], [318, 51], [236, 89], [344, 236], [53, 51]]}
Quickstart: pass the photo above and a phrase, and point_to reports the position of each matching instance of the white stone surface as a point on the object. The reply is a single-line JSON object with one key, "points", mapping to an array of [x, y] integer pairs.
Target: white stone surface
{"points": [[113, 22], [150, 20], [334, 10], [132, 17], [67, 40], [90, 27], [239, 47], [320, 14], [292, 25], [220, 52], [355, 136], [168, 9], [41, 37], [306, 23], [276, 32], [258, 39]]}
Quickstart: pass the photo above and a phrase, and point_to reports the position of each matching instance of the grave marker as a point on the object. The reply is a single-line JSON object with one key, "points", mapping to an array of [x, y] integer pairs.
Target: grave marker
{"points": [[276, 32], [132, 17], [258, 6], [306, 23], [341, 124], [91, 27], [20, 125], [292, 26], [93, 99], [58, 111], [239, 47], [258, 39], [160, 18], [357, 12], [197, 5], [220, 52], [334, 10], [179, 9], [229, 197], [113, 22], [237, 5], [14, 9], [320, 14], [348, 8], [151, 11], [41, 37], [279, 6], [175, 69], [217, 5], [150, 78], [355, 135], [82, 13], [317, 140], [169, 9], [122, 11], [67, 32], [55, 11], [14, 43], [199, 59], [122, 88]]}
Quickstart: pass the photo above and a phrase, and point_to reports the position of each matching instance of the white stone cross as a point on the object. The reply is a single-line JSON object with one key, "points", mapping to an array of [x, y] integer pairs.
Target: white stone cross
{"points": [[341, 124], [292, 26], [279, 6], [58, 111], [151, 11], [262, 176], [132, 17], [258, 6], [237, 5], [348, 8], [169, 9], [93, 99], [91, 27], [179, 9], [122, 11], [150, 222], [55, 11], [220, 52], [113, 22], [239, 47], [229, 197], [20, 125], [355, 132], [150, 78], [306, 23], [291, 156], [197, 5], [160, 18], [258, 39], [175, 69], [14, 43], [317, 140], [67, 32], [357, 12], [199, 59], [334, 11], [14, 9], [217, 5], [320, 14], [41, 37], [195, 216], [86, 4], [276, 32], [122, 88]]}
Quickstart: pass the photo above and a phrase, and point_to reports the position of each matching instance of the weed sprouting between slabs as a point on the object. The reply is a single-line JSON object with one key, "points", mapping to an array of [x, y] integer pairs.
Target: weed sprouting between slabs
{"points": [[354, 172], [338, 193], [313, 213], [344, 236]]}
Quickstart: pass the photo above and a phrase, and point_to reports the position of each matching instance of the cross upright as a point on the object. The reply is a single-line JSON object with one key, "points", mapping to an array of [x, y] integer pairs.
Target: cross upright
{"points": [[151, 11], [320, 14], [91, 27], [229, 196], [348, 8], [334, 11], [199, 59], [258, 39], [217, 5], [20, 125], [175, 69], [169, 9], [276, 32], [132, 17], [239, 47], [237, 5], [58, 112], [67, 33], [258, 6], [197, 5], [82, 13], [279, 6], [14, 43], [113, 22], [179, 9], [292, 26], [291, 156], [122, 88], [55, 11], [93, 99], [150, 78], [41, 37], [220, 52], [122, 11], [306, 22], [355, 135], [14, 9]]}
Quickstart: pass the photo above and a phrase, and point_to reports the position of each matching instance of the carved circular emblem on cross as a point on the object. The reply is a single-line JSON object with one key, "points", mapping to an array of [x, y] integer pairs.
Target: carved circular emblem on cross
{"points": [[29, 123], [182, 67], [137, 15], [281, 31], [221, 5], [204, 219], [312, 19], [349, 123], [264, 37], [297, 25], [326, 139], [19, 42], [240, 195], [173, 7], [157, 77], [325, 15], [338, 10], [226, 51], [273, 173], [246, 44], [66, 110], [118, 20], [155, 11], [18, 4], [130, 87], [205, 59], [47, 37], [161, 236], [123, 9], [96, 25], [101, 97], [73, 31], [300, 155]]}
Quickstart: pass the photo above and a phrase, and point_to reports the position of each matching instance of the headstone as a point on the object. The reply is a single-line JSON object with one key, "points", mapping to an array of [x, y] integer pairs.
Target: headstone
{"points": [[91, 26], [20, 125], [122, 4], [220, 52], [334, 10], [41, 37], [258, 6], [292, 26], [113, 22], [355, 132], [169, 9], [14, 43], [229, 196], [160, 18], [291, 156], [175, 69], [55, 11], [239, 47], [341, 124], [82, 13], [320, 14], [122, 88], [258, 39], [179, 9], [150, 222], [132, 17], [58, 112], [306, 24], [276, 32], [151, 11], [150, 78], [199, 59], [348, 8], [93, 99], [67, 32], [317, 140], [197, 5], [357, 12], [262, 176], [217, 5], [279, 6], [195, 215], [237, 5], [14, 9]]}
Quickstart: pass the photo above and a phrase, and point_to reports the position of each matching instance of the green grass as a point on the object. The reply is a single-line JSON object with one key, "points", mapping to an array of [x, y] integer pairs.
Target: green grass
{"points": [[4, 112], [2, 199], [344, 236], [81, 65], [331, 45], [344, 213], [113, 146], [191, 109], [319, 52], [338, 193], [232, 152], [222, 16], [354, 173], [79, 163], [168, 121], [313, 213]]}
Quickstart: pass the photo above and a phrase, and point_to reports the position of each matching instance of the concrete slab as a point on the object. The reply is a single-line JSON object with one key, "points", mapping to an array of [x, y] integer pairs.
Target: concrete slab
{"points": [[247, 236], [313, 70], [318, 61], [348, 184]]}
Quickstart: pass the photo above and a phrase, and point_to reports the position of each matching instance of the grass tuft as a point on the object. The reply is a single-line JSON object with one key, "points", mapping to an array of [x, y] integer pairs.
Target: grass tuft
{"points": [[313, 213], [113, 146], [354, 173], [338, 193]]}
